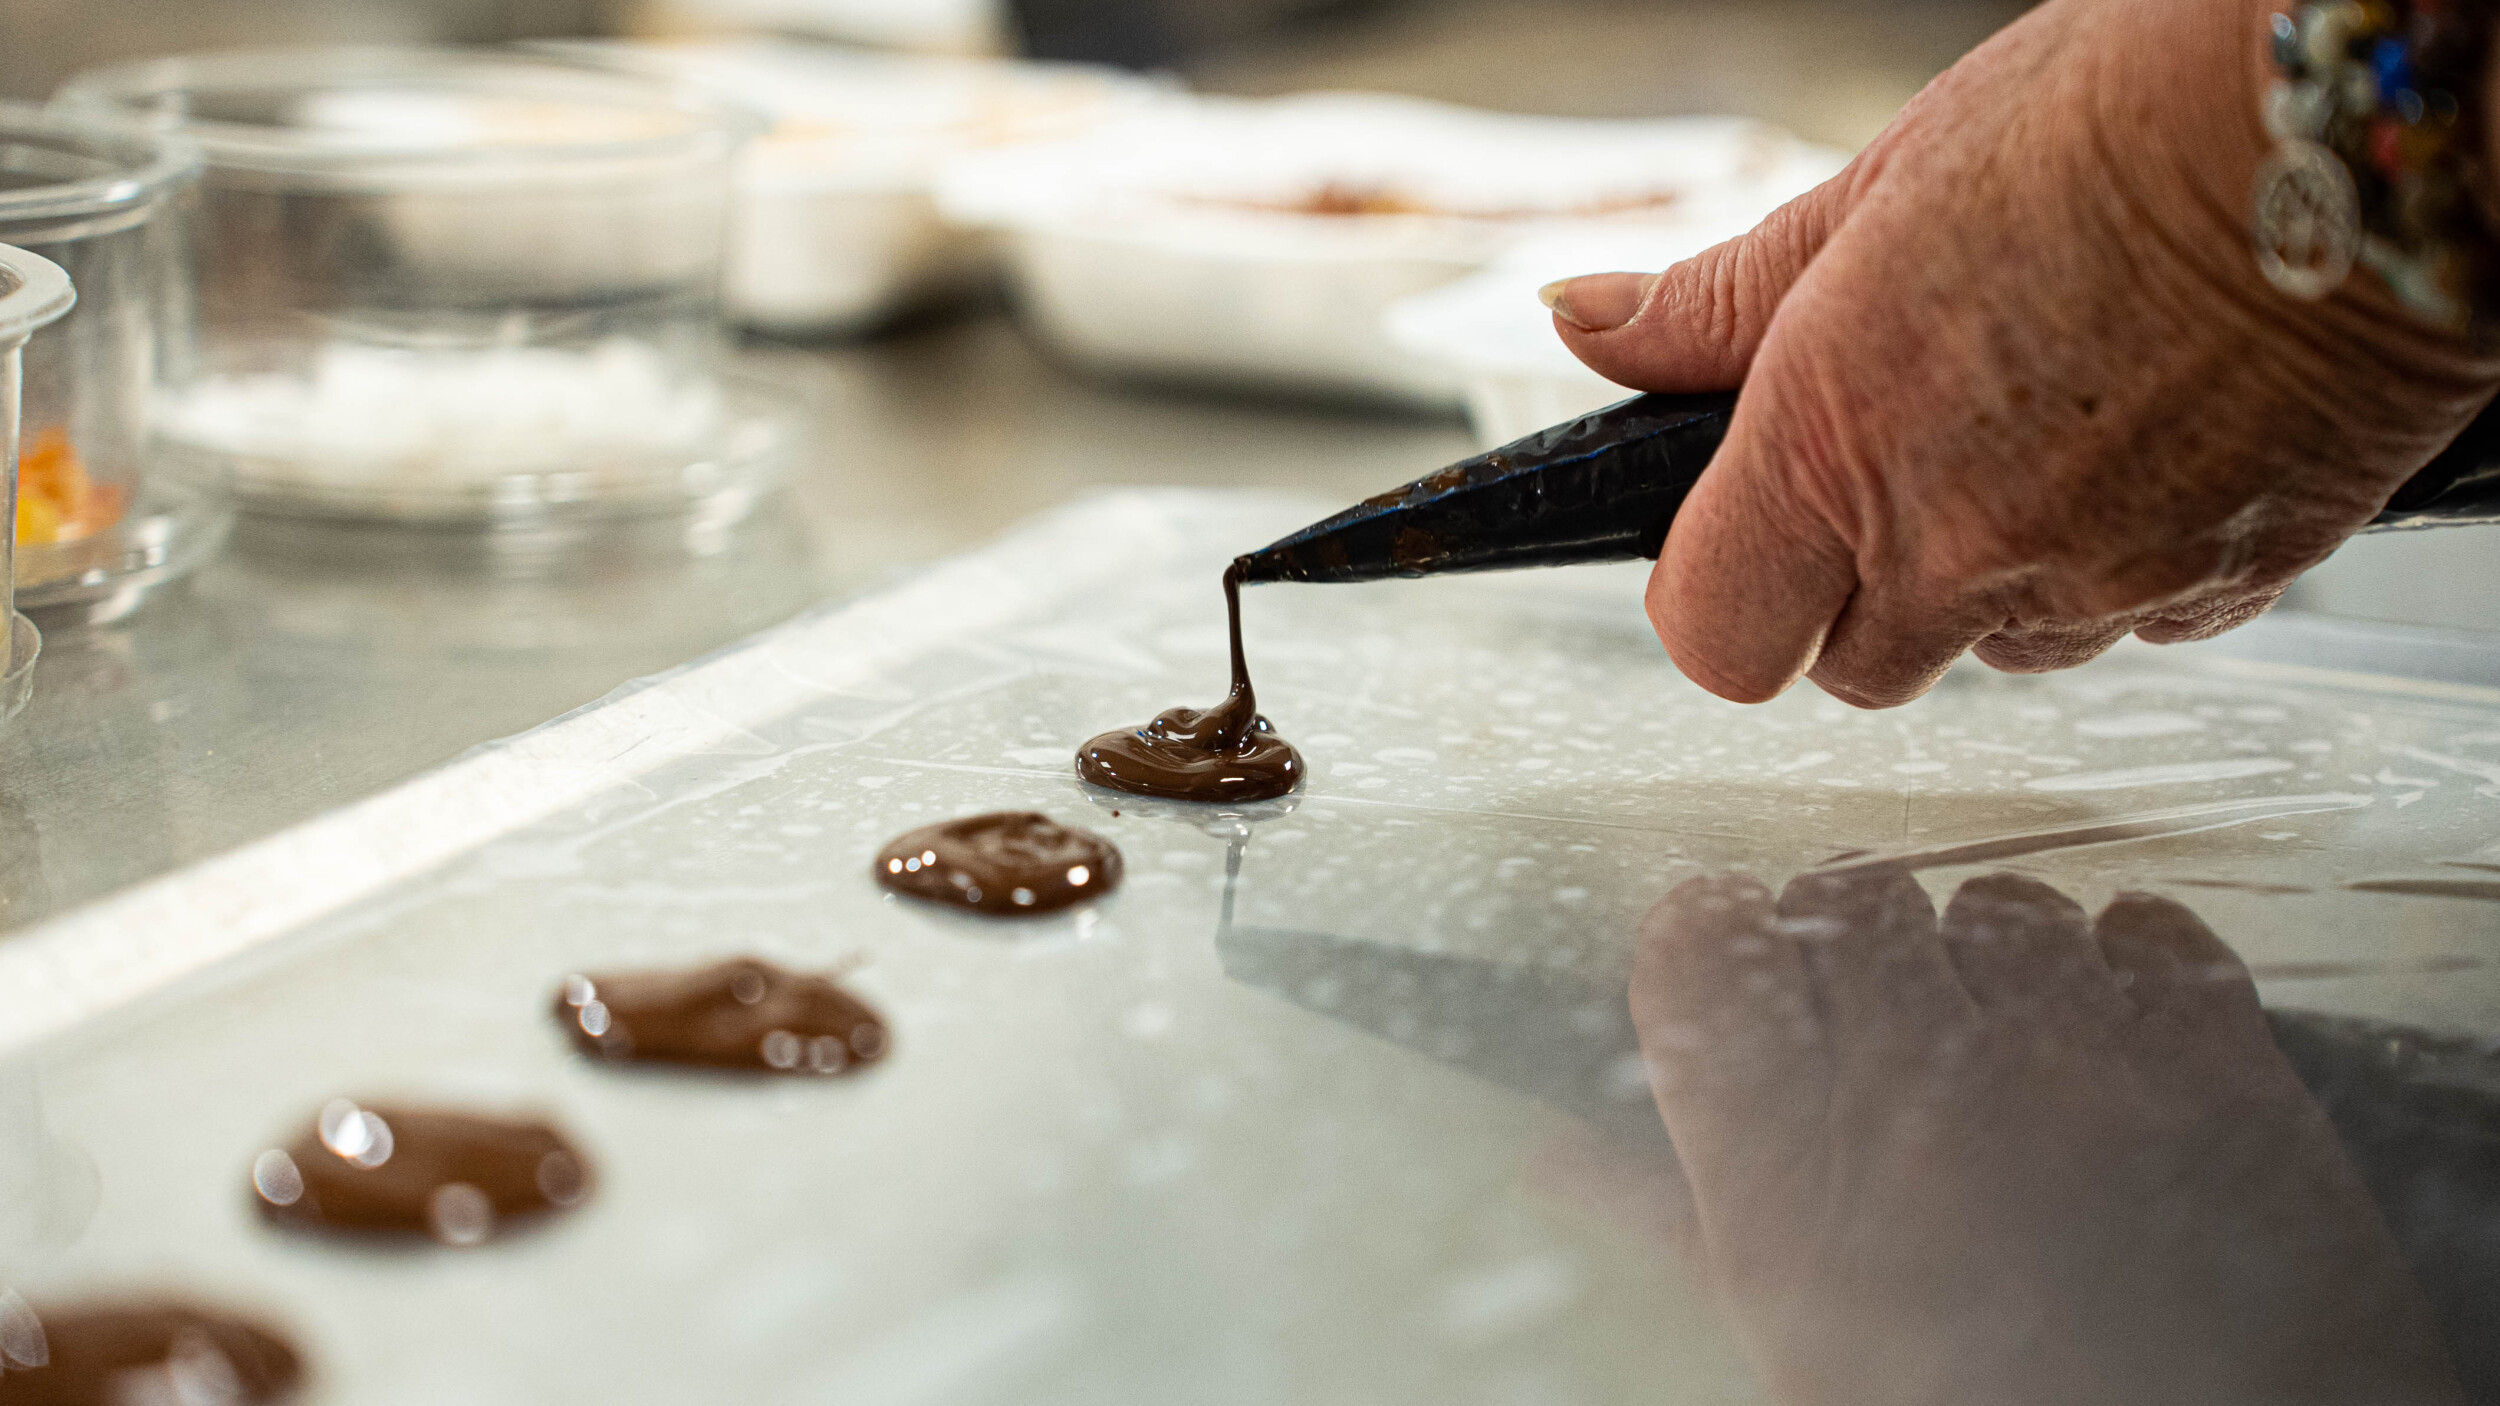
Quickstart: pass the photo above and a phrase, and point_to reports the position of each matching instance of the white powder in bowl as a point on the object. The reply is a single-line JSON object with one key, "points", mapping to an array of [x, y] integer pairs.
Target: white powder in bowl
{"points": [[390, 417]]}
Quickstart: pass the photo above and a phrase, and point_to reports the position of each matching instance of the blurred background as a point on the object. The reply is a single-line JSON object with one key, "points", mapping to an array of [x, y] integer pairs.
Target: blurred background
{"points": [[1832, 72]]}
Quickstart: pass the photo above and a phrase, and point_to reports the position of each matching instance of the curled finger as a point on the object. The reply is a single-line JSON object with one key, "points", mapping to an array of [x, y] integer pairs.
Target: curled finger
{"points": [[2046, 648], [2204, 619], [1890, 645]]}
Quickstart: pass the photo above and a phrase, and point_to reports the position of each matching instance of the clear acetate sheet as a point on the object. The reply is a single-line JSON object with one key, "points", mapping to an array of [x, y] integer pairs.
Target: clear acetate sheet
{"points": [[1334, 1100]]}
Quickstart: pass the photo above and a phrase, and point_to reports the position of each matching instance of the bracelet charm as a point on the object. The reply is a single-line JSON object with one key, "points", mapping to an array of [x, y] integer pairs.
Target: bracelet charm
{"points": [[2375, 120], [2307, 220]]}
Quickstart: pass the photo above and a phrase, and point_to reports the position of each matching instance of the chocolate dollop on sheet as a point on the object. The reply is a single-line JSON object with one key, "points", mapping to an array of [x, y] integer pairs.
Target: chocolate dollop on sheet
{"points": [[458, 1178], [1006, 862], [738, 1014], [122, 1352], [1227, 753]]}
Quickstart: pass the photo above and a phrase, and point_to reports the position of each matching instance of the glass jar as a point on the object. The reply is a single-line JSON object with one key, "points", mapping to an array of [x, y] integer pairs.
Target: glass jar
{"points": [[94, 530], [451, 287], [34, 293]]}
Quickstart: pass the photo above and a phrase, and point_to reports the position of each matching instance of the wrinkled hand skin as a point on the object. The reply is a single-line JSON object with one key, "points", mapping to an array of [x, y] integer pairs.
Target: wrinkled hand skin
{"points": [[2012, 382], [2014, 1157]]}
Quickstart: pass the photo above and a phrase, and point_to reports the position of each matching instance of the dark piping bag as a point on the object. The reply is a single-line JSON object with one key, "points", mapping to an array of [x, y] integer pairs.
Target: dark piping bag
{"points": [[1605, 487]]}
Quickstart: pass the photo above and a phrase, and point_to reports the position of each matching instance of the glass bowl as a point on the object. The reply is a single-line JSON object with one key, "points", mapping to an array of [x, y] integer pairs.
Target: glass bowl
{"points": [[95, 530], [34, 293], [449, 287]]}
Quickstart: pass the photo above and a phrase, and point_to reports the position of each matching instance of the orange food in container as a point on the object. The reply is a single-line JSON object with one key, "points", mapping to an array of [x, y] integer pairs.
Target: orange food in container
{"points": [[34, 294], [56, 501], [96, 530]]}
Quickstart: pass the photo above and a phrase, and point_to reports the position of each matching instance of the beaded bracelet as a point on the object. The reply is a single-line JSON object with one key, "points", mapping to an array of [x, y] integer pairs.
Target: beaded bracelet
{"points": [[2377, 123]]}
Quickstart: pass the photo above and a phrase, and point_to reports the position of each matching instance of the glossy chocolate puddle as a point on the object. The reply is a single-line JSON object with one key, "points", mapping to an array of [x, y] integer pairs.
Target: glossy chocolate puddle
{"points": [[1006, 862], [738, 1014], [140, 1350], [458, 1178], [1224, 753]]}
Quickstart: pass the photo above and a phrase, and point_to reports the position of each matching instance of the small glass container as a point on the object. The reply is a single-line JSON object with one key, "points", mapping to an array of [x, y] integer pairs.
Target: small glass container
{"points": [[451, 287], [34, 293], [94, 530]]}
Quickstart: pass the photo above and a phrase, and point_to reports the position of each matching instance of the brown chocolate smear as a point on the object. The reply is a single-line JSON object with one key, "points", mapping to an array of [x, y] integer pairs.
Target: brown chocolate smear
{"points": [[113, 1353], [1224, 753], [1343, 198], [738, 1014], [460, 1178], [1005, 862]]}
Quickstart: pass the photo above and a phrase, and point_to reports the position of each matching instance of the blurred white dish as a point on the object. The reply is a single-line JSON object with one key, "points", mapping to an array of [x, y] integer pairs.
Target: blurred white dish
{"points": [[1259, 242], [1489, 331], [836, 229]]}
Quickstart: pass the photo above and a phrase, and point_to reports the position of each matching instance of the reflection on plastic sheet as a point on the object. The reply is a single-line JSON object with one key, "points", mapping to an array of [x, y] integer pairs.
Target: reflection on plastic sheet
{"points": [[48, 1185]]}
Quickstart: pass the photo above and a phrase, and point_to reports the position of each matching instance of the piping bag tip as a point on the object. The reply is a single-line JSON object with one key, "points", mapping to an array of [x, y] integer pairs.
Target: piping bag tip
{"points": [[1602, 487]]}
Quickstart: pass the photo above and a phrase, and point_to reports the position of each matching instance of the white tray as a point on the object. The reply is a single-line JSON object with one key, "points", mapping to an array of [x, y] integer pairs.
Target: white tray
{"points": [[1307, 1136]]}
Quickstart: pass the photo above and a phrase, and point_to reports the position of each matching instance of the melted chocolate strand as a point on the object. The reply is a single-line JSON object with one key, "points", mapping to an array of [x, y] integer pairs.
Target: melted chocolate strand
{"points": [[456, 1177], [1238, 715], [1005, 863], [740, 1014], [1224, 753], [116, 1353]]}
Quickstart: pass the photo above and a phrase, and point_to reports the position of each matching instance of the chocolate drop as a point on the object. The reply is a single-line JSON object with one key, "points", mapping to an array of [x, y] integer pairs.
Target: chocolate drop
{"points": [[114, 1353], [1006, 862], [739, 1014], [457, 1177], [1224, 753]]}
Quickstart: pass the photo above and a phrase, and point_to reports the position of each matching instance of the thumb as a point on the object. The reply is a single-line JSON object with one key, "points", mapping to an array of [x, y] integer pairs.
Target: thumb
{"points": [[1695, 327]]}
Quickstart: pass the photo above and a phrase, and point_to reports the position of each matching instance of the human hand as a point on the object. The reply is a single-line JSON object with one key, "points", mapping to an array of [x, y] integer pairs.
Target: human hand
{"points": [[2015, 1156], [2012, 382]]}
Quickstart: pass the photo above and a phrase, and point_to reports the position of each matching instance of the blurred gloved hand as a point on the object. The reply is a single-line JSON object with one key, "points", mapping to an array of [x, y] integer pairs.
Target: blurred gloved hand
{"points": [[2012, 381]]}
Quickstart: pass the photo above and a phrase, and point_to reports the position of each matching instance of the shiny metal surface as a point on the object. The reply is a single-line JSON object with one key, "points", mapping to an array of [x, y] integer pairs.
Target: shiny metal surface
{"points": [[310, 667]]}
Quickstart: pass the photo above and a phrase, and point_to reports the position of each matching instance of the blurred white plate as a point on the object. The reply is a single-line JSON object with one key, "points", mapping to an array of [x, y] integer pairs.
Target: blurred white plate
{"points": [[1258, 242], [836, 229]]}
